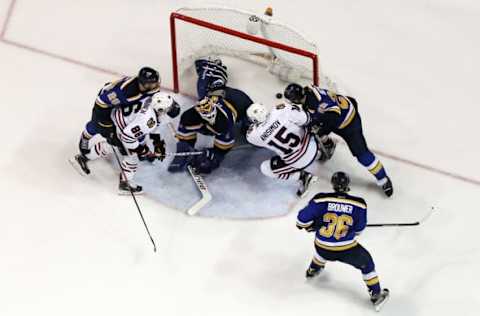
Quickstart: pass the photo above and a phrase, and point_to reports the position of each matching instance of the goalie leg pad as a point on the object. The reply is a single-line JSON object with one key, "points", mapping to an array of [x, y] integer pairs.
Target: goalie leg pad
{"points": [[179, 163]]}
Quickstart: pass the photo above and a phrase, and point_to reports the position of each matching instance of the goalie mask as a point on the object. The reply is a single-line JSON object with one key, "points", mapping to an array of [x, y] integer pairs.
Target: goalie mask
{"points": [[207, 108]]}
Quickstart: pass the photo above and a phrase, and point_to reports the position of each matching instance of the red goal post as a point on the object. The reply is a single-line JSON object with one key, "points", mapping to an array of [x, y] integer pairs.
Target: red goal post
{"points": [[207, 25]]}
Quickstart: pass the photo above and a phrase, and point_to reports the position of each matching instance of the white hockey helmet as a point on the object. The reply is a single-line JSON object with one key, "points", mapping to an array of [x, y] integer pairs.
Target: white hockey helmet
{"points": [[257, 113], [161, 102]]}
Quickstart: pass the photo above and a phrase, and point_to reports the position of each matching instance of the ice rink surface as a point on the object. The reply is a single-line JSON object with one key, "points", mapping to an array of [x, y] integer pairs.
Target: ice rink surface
{"points": [[71, 246]]}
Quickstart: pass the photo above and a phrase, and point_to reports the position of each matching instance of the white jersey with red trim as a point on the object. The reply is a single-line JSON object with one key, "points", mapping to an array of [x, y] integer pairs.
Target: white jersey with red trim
{"points": [[283, 132], [132, 129]]}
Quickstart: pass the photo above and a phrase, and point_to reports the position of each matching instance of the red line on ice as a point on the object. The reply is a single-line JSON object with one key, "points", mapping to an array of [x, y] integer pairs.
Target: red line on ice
{"points": [[6, 24]]}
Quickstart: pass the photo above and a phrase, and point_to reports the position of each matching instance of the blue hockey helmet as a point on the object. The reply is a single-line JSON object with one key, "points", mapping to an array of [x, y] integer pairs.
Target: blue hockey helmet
{"points": [[294, 93], [340, 182], [148, 78]]}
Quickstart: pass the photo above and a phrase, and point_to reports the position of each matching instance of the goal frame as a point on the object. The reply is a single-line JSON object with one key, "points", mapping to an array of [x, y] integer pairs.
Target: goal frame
{"points": [[174, 16]]}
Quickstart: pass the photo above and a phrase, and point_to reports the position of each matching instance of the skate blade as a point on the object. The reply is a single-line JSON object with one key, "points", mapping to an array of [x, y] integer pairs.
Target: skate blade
{"points": [[77, 167], [379, 306]]}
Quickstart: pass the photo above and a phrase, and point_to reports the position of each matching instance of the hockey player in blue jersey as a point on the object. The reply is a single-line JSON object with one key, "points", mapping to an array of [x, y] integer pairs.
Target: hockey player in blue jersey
{"points": [[339, 114], [213, 80], [127, 94], [220, 112], [212, 116], [337, 219]]}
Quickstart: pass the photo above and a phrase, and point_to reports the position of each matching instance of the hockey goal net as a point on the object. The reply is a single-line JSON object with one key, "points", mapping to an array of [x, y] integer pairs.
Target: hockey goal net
{"points": [[259, 39]]}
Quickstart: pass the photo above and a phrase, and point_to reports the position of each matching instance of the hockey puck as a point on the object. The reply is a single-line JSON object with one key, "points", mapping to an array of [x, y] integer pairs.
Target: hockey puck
{"points": [[279, 95]]}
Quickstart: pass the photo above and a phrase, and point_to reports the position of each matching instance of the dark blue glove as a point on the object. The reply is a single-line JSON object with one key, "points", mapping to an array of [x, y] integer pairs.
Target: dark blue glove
{"points": [[174, 110], [208, 161]]}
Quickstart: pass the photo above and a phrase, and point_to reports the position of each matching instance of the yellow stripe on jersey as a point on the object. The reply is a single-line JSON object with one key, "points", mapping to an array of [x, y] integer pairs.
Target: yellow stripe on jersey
{"points": [[304, 225], [223, 146], [101, 104], [126, 83], [339, 200], [193, 127], [335, 109], [349, 118], [186, 137], [232, 108], [104, 125], [336, 248]]}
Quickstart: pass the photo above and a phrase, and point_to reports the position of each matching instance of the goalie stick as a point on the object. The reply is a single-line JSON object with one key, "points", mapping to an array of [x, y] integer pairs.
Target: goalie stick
{"points": [[403, 224], [202, 187], [199, 182]]}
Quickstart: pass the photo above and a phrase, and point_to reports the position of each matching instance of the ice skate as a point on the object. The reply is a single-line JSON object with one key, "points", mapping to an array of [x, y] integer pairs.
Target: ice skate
{"points": [[306, 178], [378, 300], [79, 162]]}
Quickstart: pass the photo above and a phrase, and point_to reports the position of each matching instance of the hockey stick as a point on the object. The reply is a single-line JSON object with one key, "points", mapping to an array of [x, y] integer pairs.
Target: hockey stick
{"points": [[403, 224], [199, 182], [322, 146], [202, 187], [134, 199]]}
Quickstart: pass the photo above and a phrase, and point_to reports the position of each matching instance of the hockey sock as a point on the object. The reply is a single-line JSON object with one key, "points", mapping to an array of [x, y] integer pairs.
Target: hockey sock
{"points": [[370, 277], [374, 166], [318, 262]]}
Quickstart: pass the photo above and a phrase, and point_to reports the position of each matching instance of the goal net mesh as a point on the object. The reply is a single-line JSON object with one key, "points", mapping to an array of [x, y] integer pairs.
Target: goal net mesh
{"points": [[233, 37]]}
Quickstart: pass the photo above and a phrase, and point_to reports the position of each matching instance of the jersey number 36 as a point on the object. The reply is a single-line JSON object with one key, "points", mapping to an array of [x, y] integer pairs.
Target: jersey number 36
{"points": [[337, 225]]}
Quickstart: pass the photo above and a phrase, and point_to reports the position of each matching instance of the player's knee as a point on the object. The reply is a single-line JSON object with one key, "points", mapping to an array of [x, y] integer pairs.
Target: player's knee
{"points": [[266, 169], [91, 128]]}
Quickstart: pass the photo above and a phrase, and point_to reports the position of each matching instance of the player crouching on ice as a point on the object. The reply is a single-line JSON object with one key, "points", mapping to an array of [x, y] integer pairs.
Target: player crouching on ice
{"points": [[339, 114], [211, 116], [283, 131], [217, 113], [131, 136], [337, 219]]}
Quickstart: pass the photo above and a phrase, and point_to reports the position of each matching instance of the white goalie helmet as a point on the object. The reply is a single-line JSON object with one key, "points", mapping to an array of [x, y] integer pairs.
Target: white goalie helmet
{"points": [[257, 113], [161, 102]]}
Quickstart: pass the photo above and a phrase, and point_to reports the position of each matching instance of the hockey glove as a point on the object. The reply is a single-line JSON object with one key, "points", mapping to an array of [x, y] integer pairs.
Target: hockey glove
{"points": [[159, 150], [174, 110], [208, 161], [142, 151]]}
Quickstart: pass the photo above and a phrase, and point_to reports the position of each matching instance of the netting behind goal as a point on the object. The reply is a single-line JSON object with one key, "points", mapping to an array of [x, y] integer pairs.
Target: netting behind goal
{"points": [[216, 31]]}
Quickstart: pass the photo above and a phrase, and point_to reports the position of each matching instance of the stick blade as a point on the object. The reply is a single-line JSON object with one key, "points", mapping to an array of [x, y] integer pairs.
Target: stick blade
{"points": [[202, 187]]}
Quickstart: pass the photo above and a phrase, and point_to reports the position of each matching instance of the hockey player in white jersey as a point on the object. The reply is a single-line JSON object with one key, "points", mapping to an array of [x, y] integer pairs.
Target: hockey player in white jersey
{"points": [[132, 131], [283, 131]]}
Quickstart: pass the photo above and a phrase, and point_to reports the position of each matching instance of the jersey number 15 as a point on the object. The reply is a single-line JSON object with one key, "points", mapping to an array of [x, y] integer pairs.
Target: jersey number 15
{"points": [[287, 142]]}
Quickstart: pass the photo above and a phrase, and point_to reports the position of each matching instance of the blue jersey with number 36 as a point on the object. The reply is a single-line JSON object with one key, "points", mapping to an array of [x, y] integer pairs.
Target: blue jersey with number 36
{"points": [[337, 218]]}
